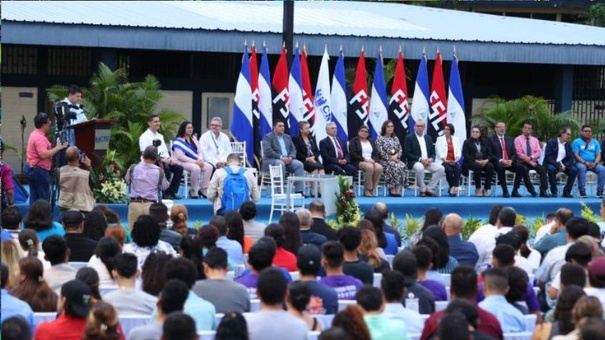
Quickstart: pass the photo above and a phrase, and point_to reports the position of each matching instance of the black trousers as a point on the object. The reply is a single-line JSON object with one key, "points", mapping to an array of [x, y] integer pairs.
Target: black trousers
{"points": [[517, 168], [174, 173], [541, 171]]}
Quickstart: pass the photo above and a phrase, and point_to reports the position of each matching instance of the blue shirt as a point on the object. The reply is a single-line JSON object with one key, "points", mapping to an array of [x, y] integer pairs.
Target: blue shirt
{"points": [[202, 311], [549, 242], [56, 229], [589, 154], [463, 251], [327, 294], [233, 249], [511, 319], [282, 146], [391, 247], [6, 235], [11, 306]]}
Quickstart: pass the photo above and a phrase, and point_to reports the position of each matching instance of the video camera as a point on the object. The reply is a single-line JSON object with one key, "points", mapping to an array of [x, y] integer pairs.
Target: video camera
{"points": [[64, 114]]}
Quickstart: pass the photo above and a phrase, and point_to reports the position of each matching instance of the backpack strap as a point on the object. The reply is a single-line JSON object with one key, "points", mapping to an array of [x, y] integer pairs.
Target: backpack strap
{"points": [[130, 173], [160, 179]]}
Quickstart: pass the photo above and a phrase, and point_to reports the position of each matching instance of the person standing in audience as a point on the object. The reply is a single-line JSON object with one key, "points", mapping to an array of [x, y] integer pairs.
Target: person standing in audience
{"points": [[82, 248], [278, 149], [225, 295], [233, 248], [463, 251], [32, 288], [496, 286], [159, 211], [146, 240], [318, 213], [335, 154], [372, 302], [271, 321], [307, 236], [171, 299], [260, 257], [558, 233], [351, 321], [252, 229], [188, 153], [350, 238], [297, 302], [73, 307], [215, 145], [332, 260], [365, 157], [587, 153], [57, 253], [128, 299], [406, 263], [179, 326], [309, 263], [394, 290], [283, 258], [75, 183], [424, 256], [13, 306], [464, 286]]}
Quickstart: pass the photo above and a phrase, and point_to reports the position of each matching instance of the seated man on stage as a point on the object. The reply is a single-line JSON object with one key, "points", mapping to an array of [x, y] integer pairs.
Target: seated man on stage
{"points": [[335, 154], [216, 146], [587, 152], [559, 157], [278, 149], [420, 154], [504, 157], [173, 171], [75, 192], [528, 152]]}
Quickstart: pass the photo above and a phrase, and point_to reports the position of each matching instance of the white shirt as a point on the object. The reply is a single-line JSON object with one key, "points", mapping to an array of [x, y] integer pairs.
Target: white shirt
{"points": [[147, 139], [599, 293], [423, 152], [543, 231], [484, 240], [215, 149], [413, 321], [525, 264], [553, 261], [366, 150], [561, 154]]}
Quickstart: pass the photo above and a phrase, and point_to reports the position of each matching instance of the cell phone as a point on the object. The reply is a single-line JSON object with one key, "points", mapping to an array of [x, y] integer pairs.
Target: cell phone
{"points": [[82, 156]]}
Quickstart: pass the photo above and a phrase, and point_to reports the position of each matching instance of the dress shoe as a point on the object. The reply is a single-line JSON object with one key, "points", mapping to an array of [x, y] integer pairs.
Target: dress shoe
{"points": [[516, 194], [567, 195], [430, 193], [600, 193], [193, 197], [506, 194], [583, 194], [368, 193], [172, 197], [302, 194], [200, 193], [534, 194], [544, 194]]}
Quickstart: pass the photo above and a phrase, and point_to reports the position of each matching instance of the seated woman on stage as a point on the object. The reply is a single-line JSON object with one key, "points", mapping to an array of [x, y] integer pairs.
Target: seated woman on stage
{"points": [[390, 151], [307, 151], [448, 151], [364, 156], [475, 151], [188, 153]]}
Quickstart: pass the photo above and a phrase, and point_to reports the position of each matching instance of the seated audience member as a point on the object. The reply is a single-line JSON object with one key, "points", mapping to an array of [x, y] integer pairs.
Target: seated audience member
{"points": [[153, 273], [172, 299], [482, 238], [562, 320], [103, 261], [15, 328], [517, 293], [432, 216], [386, 240], [350, 238], [318, 212], [232, 326], [307, 236], [32, 288], [178, 216], [368, 250], [192, 248], [73, 307], [252, 229], [308, 261], [236, 233], [495, 288], [11, 305], [91, 278], [297, 301], [464, 286], [283, 258], [512, 239], [469, 310], [103, 323], [179, 326], [11, 221], [558, 233], [423, 256], [260, 257], [571, 274], [11, 254], [95, 224], [30, 243], [393, 288], [382, 208], [233, 248], [128, 299], [291, 225], [201, 310], [118, 233], [351, 321], [586, 307], [332, 260], [596, 279], [271, 321], [578, 253], [146, 239], [435, 259], [463, 251], [82, 247], [592, 328], [40, 218], [381, 328], [455, 326], [447, 263], [225, 295], [159, 211], [532, 256], [57, 253], [405, 262]]}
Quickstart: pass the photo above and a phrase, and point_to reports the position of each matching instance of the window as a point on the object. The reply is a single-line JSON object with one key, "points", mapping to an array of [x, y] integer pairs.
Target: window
{"points": [[217, 105]]}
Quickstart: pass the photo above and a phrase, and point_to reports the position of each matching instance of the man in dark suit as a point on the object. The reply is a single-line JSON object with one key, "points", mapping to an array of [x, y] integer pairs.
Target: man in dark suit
{"points": [[318, 212], [504, 157], [278, 149], [558, 157], [420, 154], [335, 153]]}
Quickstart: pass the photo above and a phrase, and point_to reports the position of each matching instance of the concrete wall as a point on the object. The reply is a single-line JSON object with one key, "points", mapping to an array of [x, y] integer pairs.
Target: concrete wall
{"points": [[13, 108]]}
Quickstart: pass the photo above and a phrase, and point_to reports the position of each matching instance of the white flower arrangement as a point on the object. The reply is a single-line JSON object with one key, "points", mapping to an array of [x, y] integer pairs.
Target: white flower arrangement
{"points": [[114, 192]]}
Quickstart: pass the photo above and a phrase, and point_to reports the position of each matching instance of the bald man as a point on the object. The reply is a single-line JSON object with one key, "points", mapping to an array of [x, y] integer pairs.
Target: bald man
{"points": [[75, 190], [463, 251]]}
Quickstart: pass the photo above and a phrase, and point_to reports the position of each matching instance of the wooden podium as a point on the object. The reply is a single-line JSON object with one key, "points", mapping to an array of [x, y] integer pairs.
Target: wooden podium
{"points": [[93, 136]]}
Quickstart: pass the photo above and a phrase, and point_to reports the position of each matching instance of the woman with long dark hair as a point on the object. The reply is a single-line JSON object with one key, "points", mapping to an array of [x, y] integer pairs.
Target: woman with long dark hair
{"points": [[103, 260], [291, 224], [32, 287], [563, 323], [432, 216], [297, 301], [447, 263], [307, 151], [91, 278], [188, 153], [235, 222], [351, 321], [40, 218]]}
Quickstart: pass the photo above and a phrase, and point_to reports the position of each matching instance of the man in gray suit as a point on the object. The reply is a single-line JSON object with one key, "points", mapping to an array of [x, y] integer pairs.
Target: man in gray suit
{"points": [[420, 154], [278, 149]]}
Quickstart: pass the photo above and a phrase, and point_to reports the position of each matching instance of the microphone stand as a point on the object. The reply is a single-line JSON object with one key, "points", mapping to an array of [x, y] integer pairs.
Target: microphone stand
{"points": [[23, 125]]}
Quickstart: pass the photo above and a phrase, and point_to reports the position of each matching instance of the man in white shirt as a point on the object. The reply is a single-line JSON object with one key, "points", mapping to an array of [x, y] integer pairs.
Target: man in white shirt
{"points": [[549, 223], [420, 155], [485, 237], [173, 171], [393, 288], [215, 145]]}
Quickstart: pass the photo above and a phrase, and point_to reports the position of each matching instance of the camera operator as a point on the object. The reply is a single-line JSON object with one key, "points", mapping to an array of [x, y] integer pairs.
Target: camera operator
{"points": [[173, 171], [75, 190], [39, 158]]}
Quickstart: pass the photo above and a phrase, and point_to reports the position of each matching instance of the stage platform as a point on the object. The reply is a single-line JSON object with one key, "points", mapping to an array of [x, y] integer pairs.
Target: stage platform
{"points": [[479, 207]]}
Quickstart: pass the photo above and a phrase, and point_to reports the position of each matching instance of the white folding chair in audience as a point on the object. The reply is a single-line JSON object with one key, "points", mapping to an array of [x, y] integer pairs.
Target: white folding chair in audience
{"points": [[130, 321], [377, 279], [238, 270], [518, 336], [206, 335], [313, 335], [342, 304], [254, 305], [325, 320], [390, 259], [530, 322], [218, 317], [447, 279], [78, 265], [294, 276], [230, 275], [440, 305], [44, 317]]}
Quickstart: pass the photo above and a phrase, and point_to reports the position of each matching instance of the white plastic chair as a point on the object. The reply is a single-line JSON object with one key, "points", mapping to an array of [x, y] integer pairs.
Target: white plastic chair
{"points": [[279, 196], [78, 265], [130, 321], [325, 320], [313, 335], [412, 181], [518, 336], [254, 305], [440, 305], [44, 317], [218, 317], [342, 304], [206, 335], [447, 279], [377, 279], [530, 322], [294, 275]]}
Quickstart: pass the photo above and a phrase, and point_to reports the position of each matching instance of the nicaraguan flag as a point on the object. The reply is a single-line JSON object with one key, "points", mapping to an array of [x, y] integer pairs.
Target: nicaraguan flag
{"points": [[338, 98], [323, 107], [378, 101], [241, 124], [265, 105], [296, 95], [455, 102], [420, 102]]}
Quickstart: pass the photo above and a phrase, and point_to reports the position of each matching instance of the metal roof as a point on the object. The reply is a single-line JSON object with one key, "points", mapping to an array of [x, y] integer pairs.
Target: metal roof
{"points": [[222, 26]]}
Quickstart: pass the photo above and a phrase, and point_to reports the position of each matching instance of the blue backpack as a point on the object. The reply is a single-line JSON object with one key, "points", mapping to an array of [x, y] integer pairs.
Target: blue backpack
{"points": [[235, 189]]}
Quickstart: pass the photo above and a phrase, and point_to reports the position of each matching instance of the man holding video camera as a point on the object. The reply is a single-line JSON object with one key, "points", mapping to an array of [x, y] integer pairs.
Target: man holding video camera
{"points": [[75, 190], [173, 171]]}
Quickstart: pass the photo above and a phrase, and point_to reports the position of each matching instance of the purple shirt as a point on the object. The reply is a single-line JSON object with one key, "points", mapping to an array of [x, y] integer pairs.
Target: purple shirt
{"points": [[249, 281], [436, 287], [346, 286], [530, 297], [144, 181]]}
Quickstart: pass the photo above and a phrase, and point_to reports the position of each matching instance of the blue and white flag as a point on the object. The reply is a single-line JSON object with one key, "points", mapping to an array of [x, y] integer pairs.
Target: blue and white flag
{"points": [[265, 104], [241, 124], [338, 98], [455, 102], [420, 102], [323, 107], [378, 101], [296, 95]]}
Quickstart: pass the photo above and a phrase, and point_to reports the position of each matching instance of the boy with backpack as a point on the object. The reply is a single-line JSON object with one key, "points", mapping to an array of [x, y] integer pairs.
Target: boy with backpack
{"points": [[231, 185]]}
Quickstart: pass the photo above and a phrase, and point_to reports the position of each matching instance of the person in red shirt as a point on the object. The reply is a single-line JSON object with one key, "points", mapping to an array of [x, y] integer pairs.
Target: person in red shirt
{"points": [[464, 286], [73, 307], [282, 258]]}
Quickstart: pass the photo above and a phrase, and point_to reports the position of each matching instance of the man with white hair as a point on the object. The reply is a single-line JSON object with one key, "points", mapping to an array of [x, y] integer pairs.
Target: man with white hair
{"points": [[420, 155], [463, 251], [216, 146], [334, 153], [309, 237]]}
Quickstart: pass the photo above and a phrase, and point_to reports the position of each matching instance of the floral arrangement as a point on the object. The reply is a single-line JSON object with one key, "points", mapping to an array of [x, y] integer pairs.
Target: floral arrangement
{"points": [[110, 187], [347, 209]]}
